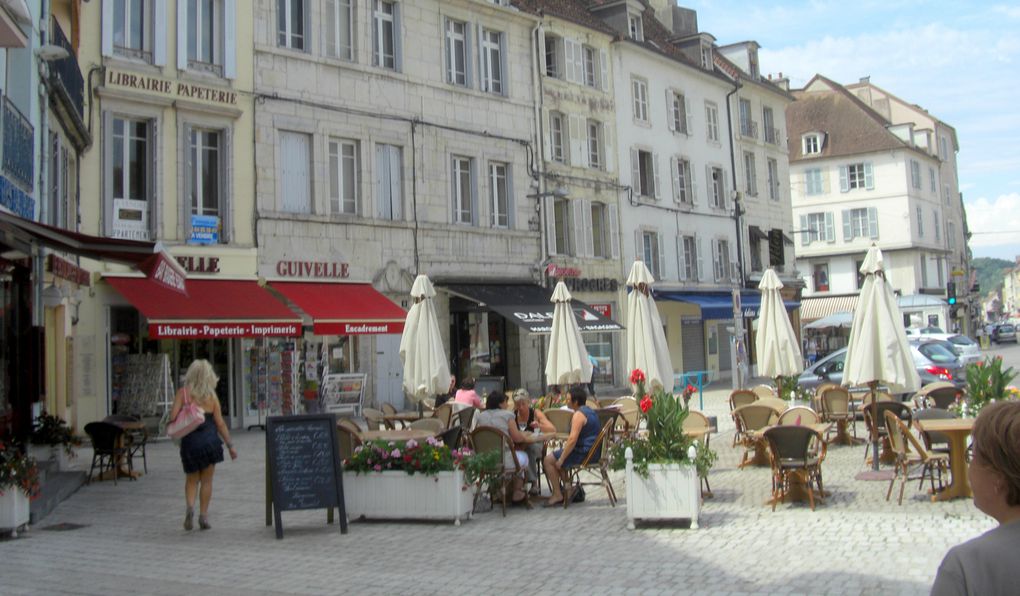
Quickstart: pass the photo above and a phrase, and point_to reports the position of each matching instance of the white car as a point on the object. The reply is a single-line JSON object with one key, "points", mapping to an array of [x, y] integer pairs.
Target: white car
{"points": [[967, 350]]}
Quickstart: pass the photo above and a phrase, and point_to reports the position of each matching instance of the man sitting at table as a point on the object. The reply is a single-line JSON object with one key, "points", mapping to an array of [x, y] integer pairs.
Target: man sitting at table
{"points": [[496, 415], [584, 429]]}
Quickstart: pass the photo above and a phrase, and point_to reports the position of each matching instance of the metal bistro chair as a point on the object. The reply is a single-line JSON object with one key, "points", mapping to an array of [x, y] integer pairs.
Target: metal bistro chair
{"points": [[489, 438], [595, 462], [137, 438], [836, 408], [763, 391], [876, 428], [738, 398], [791, 457], [630, 415], [465, 418], [899, 438], [444, 414], [107, 448], [751, 419], [697, 421], [799, 415], [349, 439]]}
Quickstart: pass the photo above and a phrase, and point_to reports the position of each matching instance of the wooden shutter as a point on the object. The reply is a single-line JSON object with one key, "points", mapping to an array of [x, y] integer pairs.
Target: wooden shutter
{"points": [[701, 257], [669, 110], [688, 116], [694, 186], [660, 272], [568, 59], [830, 231], [848, 232], [805, 234], [681, 259], [577, 214], [107, 28], [158, 31], [398, 44], [869, 176], [844, 179], [578, 155], [229, 39], [550, 224], [182, 35], [604, 70], [635, 171], [873, 223], [614, 231], [608, 161], [589, 240], [639, 252], [655, 176], [547, 140], [674, 170]]}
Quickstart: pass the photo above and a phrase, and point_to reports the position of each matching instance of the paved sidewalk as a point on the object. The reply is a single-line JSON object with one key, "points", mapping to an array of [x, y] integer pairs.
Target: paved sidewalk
{"points": [[131, 541]]}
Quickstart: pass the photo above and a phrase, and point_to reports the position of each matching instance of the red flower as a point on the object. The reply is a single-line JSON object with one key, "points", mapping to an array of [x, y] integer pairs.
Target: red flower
{"points": [[646, 404], [637, 376], [690, 389]]}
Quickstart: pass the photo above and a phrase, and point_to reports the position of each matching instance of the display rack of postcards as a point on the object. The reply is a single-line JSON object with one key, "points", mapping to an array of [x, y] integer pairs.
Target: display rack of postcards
{"points": [[256, 386], [143, 385], [271, 370]]}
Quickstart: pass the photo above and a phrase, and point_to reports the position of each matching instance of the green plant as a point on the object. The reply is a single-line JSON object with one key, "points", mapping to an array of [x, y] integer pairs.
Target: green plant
{"points": [[554, 399], [53, 431], [477, 465], [664, 440], [17, 470], [986, 382], [429, 458], [789, 388]]}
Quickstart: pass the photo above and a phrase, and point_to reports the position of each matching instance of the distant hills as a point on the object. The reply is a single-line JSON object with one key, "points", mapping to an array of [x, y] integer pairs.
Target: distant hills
{"points": [[990, 272]]}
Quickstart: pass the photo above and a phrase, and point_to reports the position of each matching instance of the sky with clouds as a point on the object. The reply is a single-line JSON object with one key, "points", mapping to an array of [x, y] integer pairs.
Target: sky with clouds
{"points": [[958, 60]]}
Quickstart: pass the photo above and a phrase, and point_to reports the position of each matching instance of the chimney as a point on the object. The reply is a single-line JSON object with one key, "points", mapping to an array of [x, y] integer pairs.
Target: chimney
{"points": [[781, 81], [866, 80], [684, 21]]}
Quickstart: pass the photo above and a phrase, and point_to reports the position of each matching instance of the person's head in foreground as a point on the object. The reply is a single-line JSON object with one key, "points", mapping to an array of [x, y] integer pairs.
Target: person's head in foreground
{"points": [[578, 397]]}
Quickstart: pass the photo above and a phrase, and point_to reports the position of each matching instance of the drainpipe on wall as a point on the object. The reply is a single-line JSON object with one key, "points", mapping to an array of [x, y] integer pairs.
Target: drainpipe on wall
{"points": [[737, 210], [38, 316], [538, 36], [736, 360]]}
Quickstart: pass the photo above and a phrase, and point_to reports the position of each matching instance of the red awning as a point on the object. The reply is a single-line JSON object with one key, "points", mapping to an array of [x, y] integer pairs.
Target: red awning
{"points": [[343, 308], [213, 308]]}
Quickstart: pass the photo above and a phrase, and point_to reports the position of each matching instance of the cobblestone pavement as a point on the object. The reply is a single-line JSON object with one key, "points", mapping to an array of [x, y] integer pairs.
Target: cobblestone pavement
{"points": [[131, 541]]}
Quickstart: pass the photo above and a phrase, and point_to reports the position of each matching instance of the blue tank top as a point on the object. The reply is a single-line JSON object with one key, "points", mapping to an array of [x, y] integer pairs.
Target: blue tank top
{"points": [[590, 431]]}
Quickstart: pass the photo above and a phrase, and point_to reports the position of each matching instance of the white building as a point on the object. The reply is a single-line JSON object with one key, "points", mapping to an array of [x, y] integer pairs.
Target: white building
{"points": [[856, 180], [392, 138]]}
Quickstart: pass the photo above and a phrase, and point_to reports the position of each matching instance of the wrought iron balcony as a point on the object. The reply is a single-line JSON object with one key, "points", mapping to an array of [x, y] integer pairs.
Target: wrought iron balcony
{"points": [[18, 150], [772, 135], [68, 87], [749, 128]]}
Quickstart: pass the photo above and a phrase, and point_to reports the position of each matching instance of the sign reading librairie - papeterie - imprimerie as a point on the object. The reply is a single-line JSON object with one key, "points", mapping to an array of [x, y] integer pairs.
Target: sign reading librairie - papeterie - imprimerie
{"points": [[170, 88]]}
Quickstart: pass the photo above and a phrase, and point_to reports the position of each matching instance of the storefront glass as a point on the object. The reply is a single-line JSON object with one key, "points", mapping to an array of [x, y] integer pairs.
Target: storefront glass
{"points": [[479, 342], [600, 346]]}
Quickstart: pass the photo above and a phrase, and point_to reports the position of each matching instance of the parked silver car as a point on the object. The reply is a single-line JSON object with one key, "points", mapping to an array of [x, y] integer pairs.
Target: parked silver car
{"points": [[966, 349], [933, 362]]}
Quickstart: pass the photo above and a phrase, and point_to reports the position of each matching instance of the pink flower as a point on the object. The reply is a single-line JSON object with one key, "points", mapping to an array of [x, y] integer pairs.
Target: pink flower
{"points": [[378, 468], [395, 453], [411, 444]]}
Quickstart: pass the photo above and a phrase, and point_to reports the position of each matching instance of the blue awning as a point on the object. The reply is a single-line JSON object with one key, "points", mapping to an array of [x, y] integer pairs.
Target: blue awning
{"points": [[719, 305]]}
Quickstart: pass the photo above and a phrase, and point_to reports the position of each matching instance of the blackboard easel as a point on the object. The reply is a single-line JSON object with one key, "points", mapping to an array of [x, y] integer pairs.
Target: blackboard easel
{"points": [[303, 467]]}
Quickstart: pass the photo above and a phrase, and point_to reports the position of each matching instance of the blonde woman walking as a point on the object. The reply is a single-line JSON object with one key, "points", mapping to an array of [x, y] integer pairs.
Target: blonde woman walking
{"points": [[201, 449]]}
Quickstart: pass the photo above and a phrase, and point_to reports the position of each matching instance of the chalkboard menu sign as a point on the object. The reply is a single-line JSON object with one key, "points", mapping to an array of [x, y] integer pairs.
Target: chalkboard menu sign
{"points": [[303, 467]]}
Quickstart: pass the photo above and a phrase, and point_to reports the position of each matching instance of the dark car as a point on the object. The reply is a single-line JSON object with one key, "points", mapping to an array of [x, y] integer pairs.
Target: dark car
{"points": [[933, 362]]}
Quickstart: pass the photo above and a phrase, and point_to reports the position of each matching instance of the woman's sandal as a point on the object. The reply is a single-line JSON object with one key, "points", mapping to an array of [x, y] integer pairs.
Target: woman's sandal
{"points": [[550, 503]]}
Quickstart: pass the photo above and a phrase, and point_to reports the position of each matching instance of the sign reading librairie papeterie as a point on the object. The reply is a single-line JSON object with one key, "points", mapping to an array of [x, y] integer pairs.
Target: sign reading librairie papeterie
{"points": [[222, 330], [171, 88]]}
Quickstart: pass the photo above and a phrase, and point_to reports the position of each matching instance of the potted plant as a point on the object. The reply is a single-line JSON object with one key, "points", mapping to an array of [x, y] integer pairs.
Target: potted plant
{"points": [[411, 480], [987, 382], [53, 440], [663, 466], [19, 483]]}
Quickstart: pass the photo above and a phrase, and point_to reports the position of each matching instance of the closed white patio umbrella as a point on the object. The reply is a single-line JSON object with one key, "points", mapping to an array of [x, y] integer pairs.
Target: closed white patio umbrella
{"points": [[646, 341], [567, 362], [426, 371], [878, 351], [776, 344]]}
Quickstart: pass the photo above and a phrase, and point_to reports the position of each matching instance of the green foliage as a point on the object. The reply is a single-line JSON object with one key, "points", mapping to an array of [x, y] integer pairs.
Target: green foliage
{"points": [[477, 465], [986, 382], [664, 441], [429, 457], [990, 273], [17, 470], [53, 431]]}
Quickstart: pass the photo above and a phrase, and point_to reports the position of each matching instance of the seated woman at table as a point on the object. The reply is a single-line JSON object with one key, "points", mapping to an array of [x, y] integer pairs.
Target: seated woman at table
{"points": [[584, 429], [496, 415], [987, 564], [466, 394], [530, 419]]}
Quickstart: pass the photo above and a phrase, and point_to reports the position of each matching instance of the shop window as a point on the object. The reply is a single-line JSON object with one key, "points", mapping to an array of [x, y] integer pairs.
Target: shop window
{"points": [[821, 278], [600, 346], [206, 187]]}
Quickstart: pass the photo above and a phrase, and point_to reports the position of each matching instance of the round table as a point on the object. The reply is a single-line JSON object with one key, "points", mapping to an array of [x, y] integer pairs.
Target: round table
{"points": [[404, 434]]}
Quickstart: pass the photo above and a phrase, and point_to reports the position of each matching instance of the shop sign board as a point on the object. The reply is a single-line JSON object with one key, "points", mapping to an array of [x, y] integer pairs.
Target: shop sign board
{"points": [[213, 330], [205, 229], [351, 328], [606, 310], [313, 269], [65, 269]]}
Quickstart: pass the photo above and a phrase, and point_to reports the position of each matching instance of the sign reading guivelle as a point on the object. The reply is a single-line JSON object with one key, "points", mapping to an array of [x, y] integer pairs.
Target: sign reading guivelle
{"points": [[303, 467], [170, 88]]}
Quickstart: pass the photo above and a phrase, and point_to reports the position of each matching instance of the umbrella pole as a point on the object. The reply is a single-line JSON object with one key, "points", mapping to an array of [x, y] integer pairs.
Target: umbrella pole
{"points": [[874, 423], [779, 386]]}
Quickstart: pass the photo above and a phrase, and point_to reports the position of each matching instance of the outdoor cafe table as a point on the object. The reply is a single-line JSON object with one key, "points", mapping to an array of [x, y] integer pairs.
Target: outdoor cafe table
{"points": [[123, 441], [404, 418], [404, 434], [957, 430]]}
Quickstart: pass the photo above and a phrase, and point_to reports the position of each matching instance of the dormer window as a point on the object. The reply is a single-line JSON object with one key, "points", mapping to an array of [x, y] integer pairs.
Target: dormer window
{"points": [[812, 144], [634, 27], [706, 56]]}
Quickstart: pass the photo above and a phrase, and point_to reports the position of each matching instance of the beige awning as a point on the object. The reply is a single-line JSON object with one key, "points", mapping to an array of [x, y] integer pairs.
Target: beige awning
{"points": [[815, 308]]}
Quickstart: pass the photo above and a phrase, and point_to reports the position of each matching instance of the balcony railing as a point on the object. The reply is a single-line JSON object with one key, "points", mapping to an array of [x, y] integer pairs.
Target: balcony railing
{"points": [[749, 128], [772, 135], [65, 72], [18, 134]]}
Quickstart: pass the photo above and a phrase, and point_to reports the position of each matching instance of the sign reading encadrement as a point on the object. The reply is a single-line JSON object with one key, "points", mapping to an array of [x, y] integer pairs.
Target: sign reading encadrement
{"points": [[171, 88], [303, 467]]}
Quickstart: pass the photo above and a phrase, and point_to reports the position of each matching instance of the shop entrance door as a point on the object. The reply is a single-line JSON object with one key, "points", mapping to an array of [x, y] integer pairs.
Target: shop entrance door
{"points": [[217, 352], [389, 371]]}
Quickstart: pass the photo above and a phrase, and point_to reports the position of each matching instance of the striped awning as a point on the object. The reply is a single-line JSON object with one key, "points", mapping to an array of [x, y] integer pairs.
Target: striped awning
{"points": [[812, 308]]}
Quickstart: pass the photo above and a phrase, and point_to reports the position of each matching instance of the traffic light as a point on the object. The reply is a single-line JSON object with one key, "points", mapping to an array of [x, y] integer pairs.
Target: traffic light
{"points": [[951, 293]]}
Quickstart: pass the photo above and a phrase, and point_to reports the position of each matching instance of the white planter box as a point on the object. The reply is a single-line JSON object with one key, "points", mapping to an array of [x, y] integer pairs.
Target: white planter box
{"points": [[396, 495], [671, 491], [45, 453], [14, 511]]}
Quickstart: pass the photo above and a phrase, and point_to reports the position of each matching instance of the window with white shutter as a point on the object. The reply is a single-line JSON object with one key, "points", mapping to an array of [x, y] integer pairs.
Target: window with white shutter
{"points": [[295, 151]]}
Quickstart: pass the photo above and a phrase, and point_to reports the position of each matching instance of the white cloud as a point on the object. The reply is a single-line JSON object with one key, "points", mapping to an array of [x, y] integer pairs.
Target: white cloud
{"points": [[994, 223], [1012, 12]]}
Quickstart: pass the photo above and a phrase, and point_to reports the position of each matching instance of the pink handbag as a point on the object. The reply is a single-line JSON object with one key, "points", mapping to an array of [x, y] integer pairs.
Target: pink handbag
{"points": [[188, 419]]}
